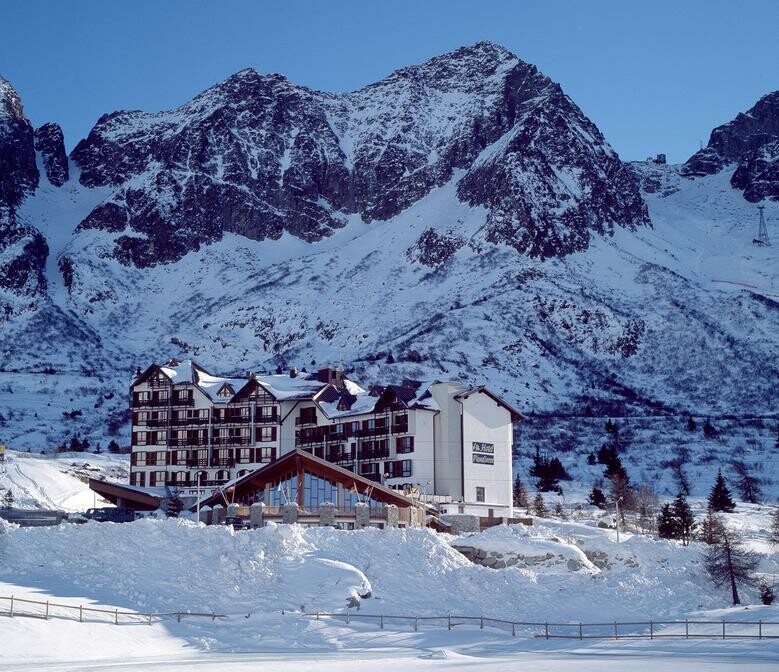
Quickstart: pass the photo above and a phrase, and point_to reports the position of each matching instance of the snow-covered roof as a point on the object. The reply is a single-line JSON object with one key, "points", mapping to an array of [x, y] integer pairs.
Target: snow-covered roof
{"points": [[286, 388]]}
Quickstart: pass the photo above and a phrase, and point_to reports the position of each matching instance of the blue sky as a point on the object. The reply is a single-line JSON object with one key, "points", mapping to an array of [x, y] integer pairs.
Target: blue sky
{"points": [[654, 76]]}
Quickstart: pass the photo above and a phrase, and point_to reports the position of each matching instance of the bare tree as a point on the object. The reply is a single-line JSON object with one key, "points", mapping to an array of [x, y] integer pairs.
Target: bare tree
{"points": [[774, 534], [729, 562], [748, 486]]}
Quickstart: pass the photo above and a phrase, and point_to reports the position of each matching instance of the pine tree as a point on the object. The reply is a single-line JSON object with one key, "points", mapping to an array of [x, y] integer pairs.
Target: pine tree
{"points": [[113, 447], [558, 510], [667, 525], [728, 562], [539, 506], [8, 499], [684, 518], [691, 424], [597, 498], [591, 459], [173, 504], [719, 497], [520, 492], [709, 431]]}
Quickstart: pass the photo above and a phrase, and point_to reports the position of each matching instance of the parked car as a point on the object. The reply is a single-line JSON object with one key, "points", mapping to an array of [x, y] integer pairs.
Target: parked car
{"points": [[110, 514], [237, 523]]}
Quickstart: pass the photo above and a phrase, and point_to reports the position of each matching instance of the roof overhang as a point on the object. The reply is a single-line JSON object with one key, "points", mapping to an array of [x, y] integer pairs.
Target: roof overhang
{"points": [[137, 498], [301, 460], [516, 416]]}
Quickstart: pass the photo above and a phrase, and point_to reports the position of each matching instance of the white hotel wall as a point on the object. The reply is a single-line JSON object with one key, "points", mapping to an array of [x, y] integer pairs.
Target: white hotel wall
{"points": [[487, 422]]}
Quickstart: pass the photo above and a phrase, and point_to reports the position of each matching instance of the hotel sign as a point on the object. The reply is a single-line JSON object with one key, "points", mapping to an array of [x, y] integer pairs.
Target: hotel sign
{"points": [[483, 453]]}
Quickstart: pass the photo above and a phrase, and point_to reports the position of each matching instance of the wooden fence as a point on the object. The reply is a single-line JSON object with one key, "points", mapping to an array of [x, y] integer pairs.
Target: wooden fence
{"points": [[687, 629], [21, 607]]}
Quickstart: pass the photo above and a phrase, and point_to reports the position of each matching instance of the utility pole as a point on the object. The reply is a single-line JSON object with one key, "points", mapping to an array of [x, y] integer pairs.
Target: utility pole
{"points": [[762, 230], [617, 505]]}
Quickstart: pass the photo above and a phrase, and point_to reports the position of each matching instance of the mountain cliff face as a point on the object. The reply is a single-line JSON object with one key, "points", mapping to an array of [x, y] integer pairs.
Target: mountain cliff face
{"points": [[259, 156], [18, 172], [50, 142], [462, 215], [751, 143]]}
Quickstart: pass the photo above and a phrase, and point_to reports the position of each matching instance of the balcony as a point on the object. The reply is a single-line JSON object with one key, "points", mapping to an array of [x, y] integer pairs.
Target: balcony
{"points": [[188, 442], [222, 462], [233, 420], [159, 422], [149, 403], [305, 420], [183, 422], [373, 431], [231, 441], [267, 419], [182, 402], [368, 455], [197, 462], [400, 429]]}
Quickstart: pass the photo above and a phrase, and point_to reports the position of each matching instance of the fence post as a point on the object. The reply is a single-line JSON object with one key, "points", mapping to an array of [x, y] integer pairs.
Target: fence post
{"points": [[481, 623], [213, 616], [513, 629], [11, 613], [651, 630], [149, 618], [347, 618], [723, 629], [616, 632], [47, 610], [116, 617], [581, 632], [449, 621], [80, 613], [546, 630], [178, 616], [760, 629], [317, 614], [686, 629], [381, 621], [416, 623]]}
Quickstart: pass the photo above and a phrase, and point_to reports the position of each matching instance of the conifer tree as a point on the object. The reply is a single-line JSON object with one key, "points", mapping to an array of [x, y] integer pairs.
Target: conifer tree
{"points": [[539, 506], [597, 498], [173, 504], [8, 499], [719, 497], [684, 518], [667, 525], [520, 492]]}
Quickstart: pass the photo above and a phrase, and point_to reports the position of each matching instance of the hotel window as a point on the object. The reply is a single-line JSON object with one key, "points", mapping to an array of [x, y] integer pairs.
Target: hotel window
{"points": [[244, 455], [479, 494], [307, 415], [266, 412], [181, 457], [266, 434], [404, 444]]}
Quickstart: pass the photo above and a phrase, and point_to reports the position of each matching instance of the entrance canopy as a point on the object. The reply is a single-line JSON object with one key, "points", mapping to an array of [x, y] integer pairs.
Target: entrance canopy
{"points": [[128, 496]]}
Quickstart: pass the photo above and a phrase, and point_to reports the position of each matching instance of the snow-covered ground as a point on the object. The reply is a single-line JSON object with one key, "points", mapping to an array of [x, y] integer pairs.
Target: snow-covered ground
{"points": [[263, 579], [58, 482]]}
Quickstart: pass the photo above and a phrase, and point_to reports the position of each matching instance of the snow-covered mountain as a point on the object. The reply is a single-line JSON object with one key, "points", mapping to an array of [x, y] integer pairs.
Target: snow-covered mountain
{"points": [[462, 215]]}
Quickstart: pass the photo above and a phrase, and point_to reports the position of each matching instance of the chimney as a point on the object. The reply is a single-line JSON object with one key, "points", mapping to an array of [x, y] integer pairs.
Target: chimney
{"points": [[293, 372], [332, 376]]}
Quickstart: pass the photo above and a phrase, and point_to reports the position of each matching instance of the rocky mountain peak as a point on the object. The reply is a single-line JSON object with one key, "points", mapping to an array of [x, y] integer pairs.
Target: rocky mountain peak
{"points": [[18, 172], [50, 142], [10, 103], [750, 143], [258, 155]]}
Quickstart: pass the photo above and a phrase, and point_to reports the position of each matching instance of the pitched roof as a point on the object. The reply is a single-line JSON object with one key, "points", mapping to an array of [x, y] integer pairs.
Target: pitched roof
{"points": [[300, 459], [516, 416]]}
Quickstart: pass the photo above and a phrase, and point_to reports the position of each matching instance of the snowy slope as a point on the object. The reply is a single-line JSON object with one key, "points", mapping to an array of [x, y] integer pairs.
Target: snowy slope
{"points": [[59, 482], [254, 576]]}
